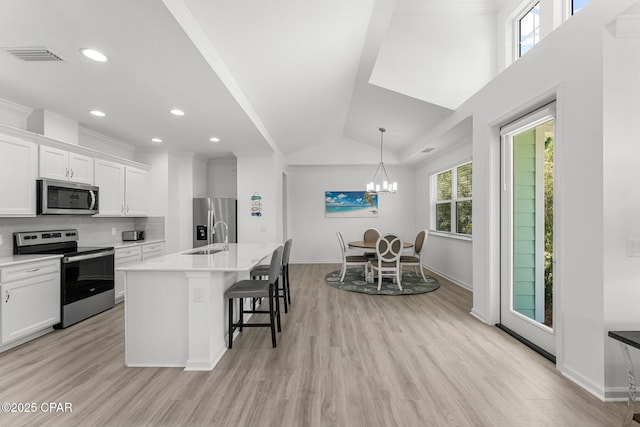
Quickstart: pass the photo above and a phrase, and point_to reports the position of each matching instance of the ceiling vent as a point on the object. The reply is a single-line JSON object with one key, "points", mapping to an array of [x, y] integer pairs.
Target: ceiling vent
{"points": [[33, 54]]}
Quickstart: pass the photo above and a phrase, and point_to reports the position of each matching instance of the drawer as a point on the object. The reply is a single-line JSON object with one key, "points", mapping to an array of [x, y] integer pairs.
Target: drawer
{"points": [[153, 247], [32, 269], [120, 262], [133, 251]]}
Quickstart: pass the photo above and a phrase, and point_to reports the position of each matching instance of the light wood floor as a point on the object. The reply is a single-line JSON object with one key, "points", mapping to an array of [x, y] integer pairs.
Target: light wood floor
{"points": [[343, 359]]}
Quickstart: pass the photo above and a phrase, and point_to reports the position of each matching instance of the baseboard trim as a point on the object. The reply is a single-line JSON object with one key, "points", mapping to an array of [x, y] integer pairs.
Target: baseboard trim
{"points": [[449, 278], [479, 316], [544, 353], [616, 394], [583, 382]]}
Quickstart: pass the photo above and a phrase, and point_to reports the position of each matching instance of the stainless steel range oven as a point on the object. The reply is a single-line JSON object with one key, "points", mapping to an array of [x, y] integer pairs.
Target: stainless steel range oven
{"points": [[87, 273]]}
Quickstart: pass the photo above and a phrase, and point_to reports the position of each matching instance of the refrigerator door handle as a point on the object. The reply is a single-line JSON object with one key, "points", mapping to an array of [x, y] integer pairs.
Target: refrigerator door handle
{"points": [[209, 227]]}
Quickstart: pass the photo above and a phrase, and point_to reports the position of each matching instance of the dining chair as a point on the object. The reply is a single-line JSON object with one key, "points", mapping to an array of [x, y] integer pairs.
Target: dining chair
{"points": [[256, 288], [387, 262], [351, 260], [371, 235], [416, 259], [263, 271]]}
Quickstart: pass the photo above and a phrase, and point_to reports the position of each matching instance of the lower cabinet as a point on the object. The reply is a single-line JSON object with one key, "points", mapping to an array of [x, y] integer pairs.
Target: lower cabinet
{"points": [[152, 250], [30, 299], [123, 257], [132, 255]]}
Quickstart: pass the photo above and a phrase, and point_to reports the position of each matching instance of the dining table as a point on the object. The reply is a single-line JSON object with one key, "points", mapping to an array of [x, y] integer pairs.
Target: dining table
{"points": [[371, 244]]}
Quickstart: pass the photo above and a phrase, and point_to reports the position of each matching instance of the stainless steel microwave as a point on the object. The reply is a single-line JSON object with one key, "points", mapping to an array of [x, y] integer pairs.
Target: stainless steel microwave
{"points": [[66, 198]]}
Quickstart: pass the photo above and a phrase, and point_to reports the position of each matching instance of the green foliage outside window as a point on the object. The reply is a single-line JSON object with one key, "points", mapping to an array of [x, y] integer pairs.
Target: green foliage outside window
{"points": [[453, 205], [465, 181], [443, 217], [445, 186], [463, 210]]}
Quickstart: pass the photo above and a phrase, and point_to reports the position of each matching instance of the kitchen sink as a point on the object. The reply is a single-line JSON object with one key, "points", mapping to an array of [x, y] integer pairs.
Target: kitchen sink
{"points": [[204, 252]]}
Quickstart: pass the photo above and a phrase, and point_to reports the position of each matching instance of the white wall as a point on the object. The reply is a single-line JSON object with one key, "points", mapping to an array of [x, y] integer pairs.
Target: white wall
{"points": [[445, 44], [261, 174], [553, 13], [447, 256], [12, 114], [200, 181], [314, 236], [621, 166], [222, 177], [567, 65], [157, 181]]}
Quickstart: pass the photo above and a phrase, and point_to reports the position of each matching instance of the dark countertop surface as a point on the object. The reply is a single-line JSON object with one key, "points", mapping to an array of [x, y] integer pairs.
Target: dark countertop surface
{"points": [[631, 338]]}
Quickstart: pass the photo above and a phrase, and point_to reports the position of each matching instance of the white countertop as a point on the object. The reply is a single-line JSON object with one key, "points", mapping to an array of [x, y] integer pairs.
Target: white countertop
{"points": [[123, 244], [7, 261], [240, 257]]}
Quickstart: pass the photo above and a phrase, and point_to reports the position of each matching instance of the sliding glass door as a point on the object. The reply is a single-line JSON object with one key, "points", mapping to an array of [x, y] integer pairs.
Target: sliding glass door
{"points": [[527, 228]]}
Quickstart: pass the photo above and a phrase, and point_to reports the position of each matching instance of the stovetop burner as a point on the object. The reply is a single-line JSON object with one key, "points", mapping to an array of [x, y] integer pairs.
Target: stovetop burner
{"points": [[63, 242]]}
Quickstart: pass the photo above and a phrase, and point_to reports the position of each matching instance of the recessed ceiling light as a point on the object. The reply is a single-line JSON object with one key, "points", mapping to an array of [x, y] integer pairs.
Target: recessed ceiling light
{"points": [[158, 140], [177, 112], [97, 113], [94, 54], [214, 139]]}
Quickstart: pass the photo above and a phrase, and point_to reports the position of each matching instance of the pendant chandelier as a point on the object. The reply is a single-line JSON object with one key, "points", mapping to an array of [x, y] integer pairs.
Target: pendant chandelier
{"points": [[381, 184]]}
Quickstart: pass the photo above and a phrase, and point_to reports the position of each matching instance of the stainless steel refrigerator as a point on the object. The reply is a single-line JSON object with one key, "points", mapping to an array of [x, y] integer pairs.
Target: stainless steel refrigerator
{"points": [[209, 210]]}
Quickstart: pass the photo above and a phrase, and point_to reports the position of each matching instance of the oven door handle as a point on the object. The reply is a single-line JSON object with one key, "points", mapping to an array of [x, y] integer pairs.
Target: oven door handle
{"points": [[68, 259]]}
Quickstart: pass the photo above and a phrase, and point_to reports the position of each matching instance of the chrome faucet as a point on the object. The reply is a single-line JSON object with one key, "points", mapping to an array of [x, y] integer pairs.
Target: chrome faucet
{"points": [[225, 245]]}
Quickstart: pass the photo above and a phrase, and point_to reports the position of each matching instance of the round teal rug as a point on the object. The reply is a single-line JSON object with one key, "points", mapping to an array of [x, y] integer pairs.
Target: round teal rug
{"points": [[354, 282]]}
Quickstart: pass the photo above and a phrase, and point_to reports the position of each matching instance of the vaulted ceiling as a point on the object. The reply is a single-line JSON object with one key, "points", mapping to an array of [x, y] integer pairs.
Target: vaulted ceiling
{"points": [[261, 76]]}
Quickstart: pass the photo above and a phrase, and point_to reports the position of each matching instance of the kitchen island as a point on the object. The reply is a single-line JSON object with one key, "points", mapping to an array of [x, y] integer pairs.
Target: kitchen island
{"points": [[175, 313]]}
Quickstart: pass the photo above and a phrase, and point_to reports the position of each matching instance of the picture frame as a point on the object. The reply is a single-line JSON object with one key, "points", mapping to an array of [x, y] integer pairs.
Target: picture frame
{"points": [[350, 204]]}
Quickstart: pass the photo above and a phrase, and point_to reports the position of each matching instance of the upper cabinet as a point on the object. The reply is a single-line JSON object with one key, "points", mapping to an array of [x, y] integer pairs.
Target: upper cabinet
{"points": [[123, 189], [18, 173], [135, 191], [25, 157], [109, 178], [65, 165]]}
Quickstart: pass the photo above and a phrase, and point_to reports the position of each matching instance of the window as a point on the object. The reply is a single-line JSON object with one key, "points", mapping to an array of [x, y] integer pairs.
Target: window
{"points": [[452, 200], [576, 5], [529, 29]]}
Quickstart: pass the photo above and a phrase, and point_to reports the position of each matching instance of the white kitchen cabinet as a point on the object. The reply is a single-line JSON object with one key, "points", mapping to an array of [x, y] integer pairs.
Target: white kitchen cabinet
{"points": [[135, 192], [124, 256], [109, 178], [133, 255], [152, 250], [123, 189], [63, 165], [30, 301], [18, 173]]}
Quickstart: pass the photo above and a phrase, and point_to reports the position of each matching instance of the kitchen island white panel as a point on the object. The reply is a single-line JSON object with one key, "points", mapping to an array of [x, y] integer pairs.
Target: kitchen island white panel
{"points": [[175, 312], [155, 335]]}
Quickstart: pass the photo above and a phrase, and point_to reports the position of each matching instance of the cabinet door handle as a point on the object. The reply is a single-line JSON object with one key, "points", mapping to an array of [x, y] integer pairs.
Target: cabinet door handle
{"points": [[8, 296], [127, 208], [71, 172], [33, 270], [66, 172]]}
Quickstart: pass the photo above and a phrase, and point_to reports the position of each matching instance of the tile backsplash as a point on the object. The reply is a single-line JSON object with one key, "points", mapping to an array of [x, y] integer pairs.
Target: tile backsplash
{"points": [[153, 227], [92, 231]]}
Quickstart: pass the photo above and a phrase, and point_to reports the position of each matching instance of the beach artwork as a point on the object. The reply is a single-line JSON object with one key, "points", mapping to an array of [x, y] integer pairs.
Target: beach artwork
{"points": [[350, 204]]}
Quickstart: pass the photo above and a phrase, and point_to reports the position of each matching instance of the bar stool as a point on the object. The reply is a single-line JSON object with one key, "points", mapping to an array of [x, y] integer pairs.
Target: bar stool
{"points": [[254, 288], [263, 271]]}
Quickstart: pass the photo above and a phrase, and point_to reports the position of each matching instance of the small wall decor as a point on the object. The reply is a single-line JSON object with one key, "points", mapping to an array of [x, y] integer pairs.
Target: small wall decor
{"points": [[256, 204], [350, 204]]}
